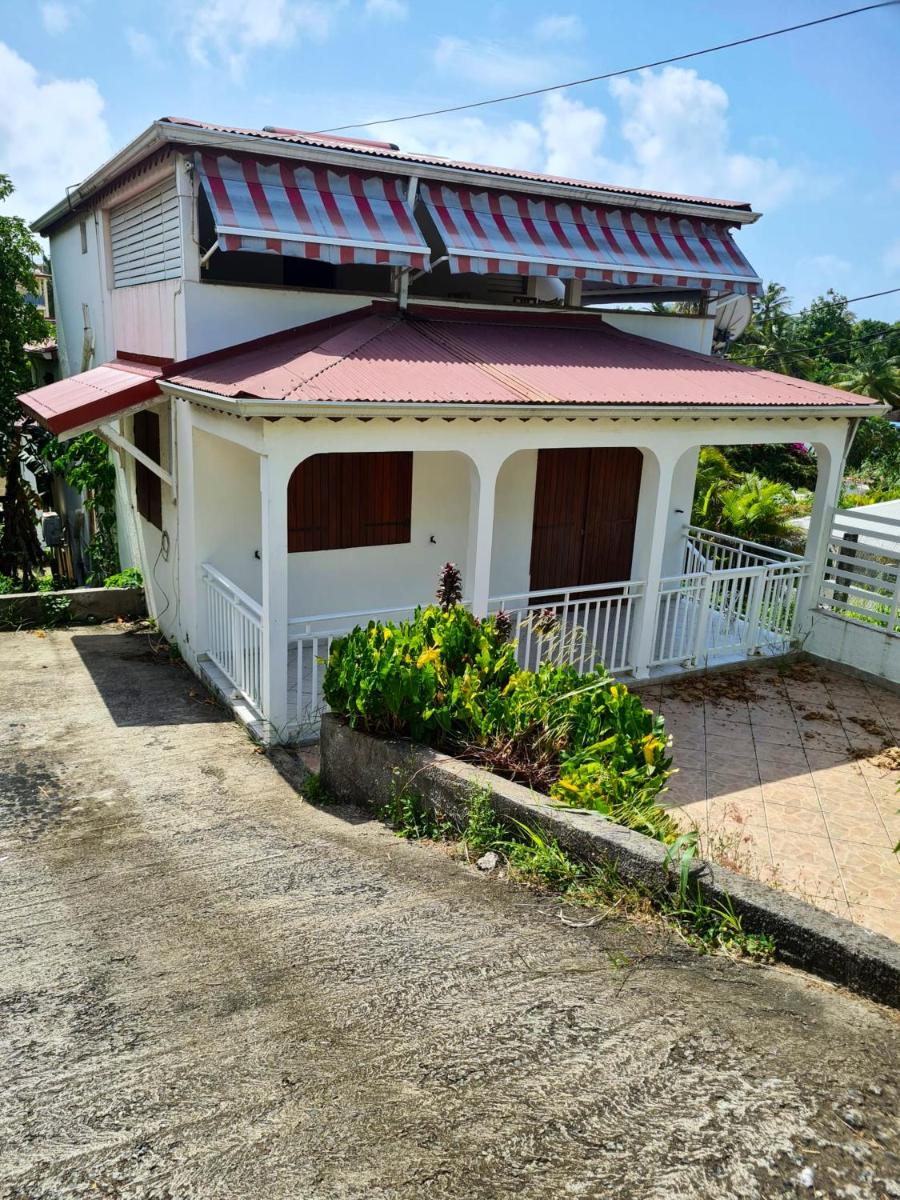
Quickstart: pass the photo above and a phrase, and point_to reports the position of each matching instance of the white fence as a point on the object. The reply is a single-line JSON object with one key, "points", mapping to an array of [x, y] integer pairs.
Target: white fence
{"points": [[234, 634], [861, 579]]}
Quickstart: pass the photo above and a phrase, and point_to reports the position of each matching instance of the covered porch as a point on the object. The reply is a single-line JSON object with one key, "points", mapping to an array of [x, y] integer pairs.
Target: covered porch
{"points": [[734, 600]]}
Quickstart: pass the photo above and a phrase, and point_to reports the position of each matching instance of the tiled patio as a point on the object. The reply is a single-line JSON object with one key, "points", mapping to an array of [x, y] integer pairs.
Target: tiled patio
{"points": [[790, 775]]}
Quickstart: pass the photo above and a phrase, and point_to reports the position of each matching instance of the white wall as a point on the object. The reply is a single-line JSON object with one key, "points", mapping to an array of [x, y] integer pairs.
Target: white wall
{"points": [[513, 519], [856, 645], [148, 319], [680, 510], [227, 510], [219, 315], [78, 279], [372, 577], [690, 333]]}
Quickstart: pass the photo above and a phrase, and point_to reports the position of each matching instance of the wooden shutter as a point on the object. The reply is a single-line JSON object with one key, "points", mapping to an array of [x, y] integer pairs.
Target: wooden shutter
{"points": [[145, 236], [148, 487], [339, 501]]}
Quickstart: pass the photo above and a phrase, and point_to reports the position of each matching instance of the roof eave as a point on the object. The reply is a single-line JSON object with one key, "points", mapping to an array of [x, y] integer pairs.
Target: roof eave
{"points": [[244, 406], [162, 133]]}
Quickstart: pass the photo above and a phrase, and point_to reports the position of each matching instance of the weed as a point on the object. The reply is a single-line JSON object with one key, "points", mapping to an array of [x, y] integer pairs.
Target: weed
{"points": [[315, 791], [541, 862], [409, 817], [55, 610], [482, 831]]}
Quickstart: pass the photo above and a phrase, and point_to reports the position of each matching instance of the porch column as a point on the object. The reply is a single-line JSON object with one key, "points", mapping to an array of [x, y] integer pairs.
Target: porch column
{"points": [[188, 567], [273, 483], [828, 486], [653, 525], [481, 533]]}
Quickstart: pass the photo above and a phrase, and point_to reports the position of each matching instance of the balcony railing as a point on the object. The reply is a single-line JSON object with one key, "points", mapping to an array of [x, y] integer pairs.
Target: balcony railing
{"points": [[733, 599], [234, 634]]}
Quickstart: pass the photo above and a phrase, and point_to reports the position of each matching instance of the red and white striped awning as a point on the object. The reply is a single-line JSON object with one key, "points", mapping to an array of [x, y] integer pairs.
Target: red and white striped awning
{"points": [[311, 212], [501, 233]]}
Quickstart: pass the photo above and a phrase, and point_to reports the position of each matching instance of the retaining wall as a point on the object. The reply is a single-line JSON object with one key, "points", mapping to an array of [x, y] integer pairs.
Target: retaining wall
{"points": [[364, 770]]}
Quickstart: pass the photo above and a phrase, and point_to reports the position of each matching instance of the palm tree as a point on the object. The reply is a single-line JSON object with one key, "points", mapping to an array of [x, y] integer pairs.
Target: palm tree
{"points": [[758, 510], [771, 305], [873, 375], [775, 346]]}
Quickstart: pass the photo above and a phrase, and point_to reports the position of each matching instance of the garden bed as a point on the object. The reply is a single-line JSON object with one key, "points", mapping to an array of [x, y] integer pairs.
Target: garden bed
{"points": [[24, 610]]}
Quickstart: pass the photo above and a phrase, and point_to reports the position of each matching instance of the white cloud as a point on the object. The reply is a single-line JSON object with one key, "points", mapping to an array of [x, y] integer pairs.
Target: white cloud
{"points": [[471, 139], [491, 65], [671, 130], [387, 10], [891, 258], [558, 27], [55, 17], [229, 31], [52, 134], [573, 134], [676, 125], [142, 46]]}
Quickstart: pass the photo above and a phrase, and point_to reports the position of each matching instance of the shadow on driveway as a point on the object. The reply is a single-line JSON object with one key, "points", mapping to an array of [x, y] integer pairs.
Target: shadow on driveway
{"points": [[133, 674]]}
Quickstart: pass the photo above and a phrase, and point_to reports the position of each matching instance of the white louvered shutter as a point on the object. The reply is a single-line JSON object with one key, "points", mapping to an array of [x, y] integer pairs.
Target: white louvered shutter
{"points": [[146, 237]]}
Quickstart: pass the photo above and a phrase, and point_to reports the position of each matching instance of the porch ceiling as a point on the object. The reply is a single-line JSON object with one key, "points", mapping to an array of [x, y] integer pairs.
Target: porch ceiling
{"points": [[443, 356]]}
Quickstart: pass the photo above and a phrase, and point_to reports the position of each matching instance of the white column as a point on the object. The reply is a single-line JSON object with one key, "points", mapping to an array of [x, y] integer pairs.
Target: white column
{"points": [[649, 557], [190, 607], [481, 534], [828, 487], [273, 482]]}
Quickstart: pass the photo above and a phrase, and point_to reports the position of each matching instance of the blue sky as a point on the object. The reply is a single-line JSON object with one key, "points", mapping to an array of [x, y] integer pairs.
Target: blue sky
{"points": [[804, 126]]}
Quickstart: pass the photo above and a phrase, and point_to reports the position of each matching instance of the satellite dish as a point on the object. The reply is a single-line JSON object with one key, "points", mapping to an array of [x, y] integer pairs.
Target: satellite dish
{"points": [[732, 315], [548, 289]]}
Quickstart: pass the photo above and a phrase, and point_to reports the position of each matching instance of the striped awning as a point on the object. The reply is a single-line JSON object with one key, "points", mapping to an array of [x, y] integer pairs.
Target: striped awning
{"points": [[340, 217], [502, 233]]}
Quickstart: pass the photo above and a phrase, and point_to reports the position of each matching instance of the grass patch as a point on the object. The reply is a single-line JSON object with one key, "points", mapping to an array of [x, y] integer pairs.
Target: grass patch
{"points": [[537, 862]]}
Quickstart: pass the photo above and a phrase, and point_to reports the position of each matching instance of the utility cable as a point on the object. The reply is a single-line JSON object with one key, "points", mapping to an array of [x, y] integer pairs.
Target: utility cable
{"points": [[660, 62]]}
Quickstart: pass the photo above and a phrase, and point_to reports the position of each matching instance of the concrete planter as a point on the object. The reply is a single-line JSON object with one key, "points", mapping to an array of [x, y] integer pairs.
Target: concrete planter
{"points": [[84, 604], [363, 770]]}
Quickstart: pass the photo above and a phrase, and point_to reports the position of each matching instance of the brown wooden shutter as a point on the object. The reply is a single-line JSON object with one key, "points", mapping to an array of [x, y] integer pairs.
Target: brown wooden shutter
{"points": [[148, 487], [339, 501]]}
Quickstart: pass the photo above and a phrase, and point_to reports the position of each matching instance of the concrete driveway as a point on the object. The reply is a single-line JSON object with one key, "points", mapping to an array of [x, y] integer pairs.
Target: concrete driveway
{"points": [[210, 989]]}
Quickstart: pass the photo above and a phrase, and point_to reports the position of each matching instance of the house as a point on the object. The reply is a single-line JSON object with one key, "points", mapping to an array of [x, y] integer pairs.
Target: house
{"points": [[326, 367]]}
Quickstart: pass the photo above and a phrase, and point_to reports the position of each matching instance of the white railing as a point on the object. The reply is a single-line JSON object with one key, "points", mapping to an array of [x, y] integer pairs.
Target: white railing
{"points": [[234, 634], [706, 550], [861, 579], [585, 627], [309, 645], [718, 613]]}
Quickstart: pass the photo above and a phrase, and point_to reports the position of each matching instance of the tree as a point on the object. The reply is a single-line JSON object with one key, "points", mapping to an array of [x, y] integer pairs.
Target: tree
{"points": [[872, 374], [20, 440]]}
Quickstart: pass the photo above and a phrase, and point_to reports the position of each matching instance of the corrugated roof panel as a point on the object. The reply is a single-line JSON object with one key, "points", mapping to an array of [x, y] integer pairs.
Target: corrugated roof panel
{"points": [[93, 396], [524, 359]]}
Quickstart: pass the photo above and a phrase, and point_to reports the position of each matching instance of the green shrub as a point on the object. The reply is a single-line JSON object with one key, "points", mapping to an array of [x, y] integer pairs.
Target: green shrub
{"points": [[449, 680], [8, 585], [130, 577]]}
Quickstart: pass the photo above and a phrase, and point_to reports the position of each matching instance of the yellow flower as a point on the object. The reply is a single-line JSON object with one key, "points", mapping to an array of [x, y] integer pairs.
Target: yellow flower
{"points": [[386, 633], [432, 655], [651, 744]]}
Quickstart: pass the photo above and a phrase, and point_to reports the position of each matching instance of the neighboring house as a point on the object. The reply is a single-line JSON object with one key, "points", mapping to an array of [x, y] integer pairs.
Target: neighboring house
{"points": [[326, 367]]}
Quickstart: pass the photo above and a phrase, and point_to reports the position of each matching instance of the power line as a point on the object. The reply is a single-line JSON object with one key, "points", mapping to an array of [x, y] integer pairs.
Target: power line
{"points": [[661, 62]]}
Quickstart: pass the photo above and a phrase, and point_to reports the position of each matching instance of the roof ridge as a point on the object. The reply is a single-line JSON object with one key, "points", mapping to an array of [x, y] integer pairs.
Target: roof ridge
{"points": [[512, 381]]}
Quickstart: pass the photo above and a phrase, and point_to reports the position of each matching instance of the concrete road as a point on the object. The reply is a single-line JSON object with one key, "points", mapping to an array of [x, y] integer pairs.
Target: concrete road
{"points": [[210, 989]]}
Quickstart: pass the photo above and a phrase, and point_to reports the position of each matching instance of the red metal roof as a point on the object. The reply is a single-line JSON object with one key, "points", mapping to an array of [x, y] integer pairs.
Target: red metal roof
{"points": [[448, 356], [93, 396], [385, 150]]}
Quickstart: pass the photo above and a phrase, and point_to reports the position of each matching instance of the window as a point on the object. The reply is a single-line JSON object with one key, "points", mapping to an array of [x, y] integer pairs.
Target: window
{"points": [[145, 237], [336, 501], [147, 486], [82, 226]]}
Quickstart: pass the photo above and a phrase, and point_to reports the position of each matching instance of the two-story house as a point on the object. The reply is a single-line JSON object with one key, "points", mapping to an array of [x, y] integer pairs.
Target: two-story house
{"points": [[326, 367]]}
